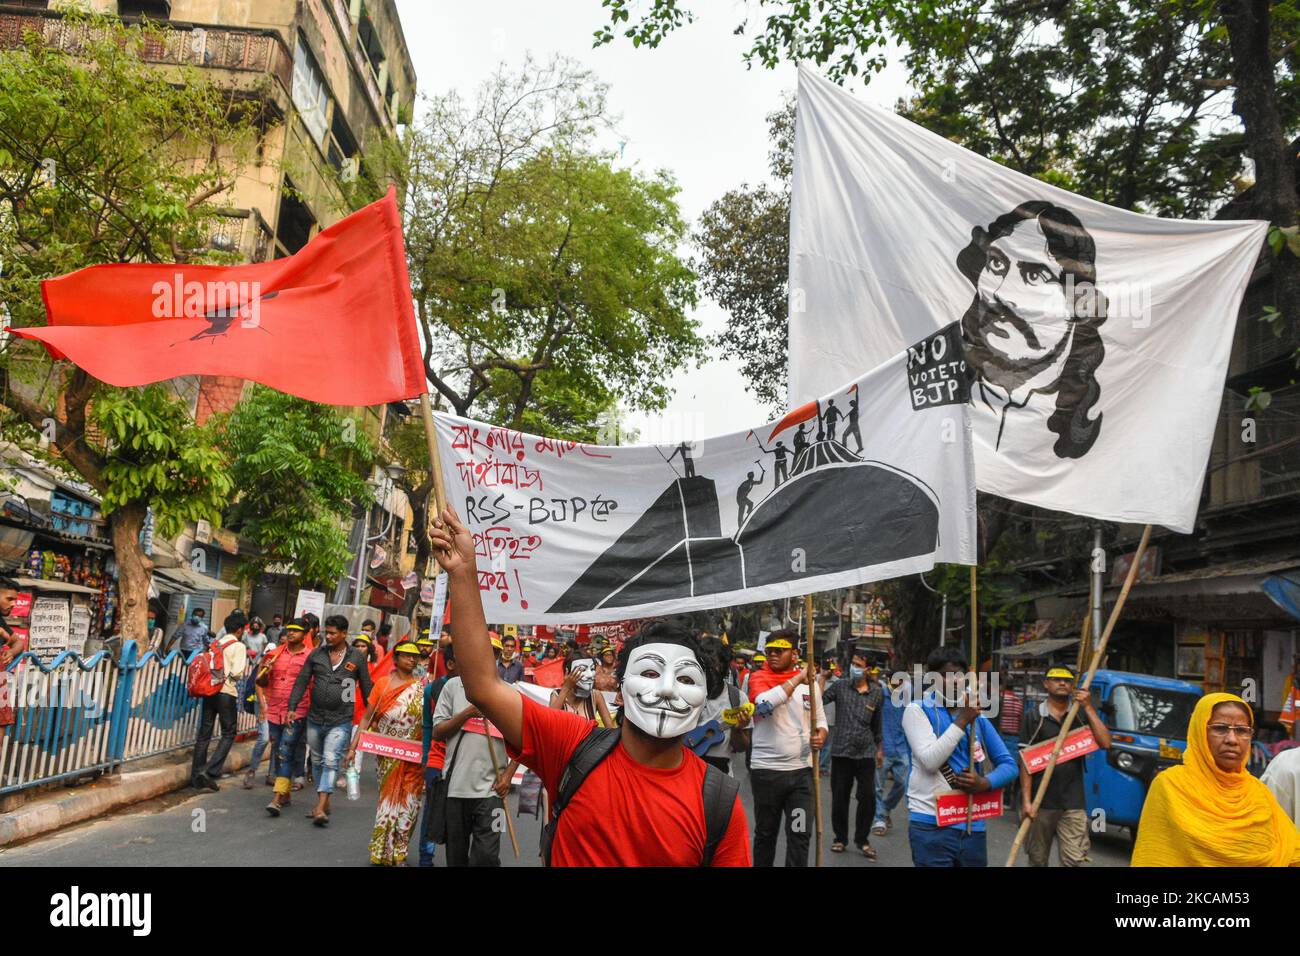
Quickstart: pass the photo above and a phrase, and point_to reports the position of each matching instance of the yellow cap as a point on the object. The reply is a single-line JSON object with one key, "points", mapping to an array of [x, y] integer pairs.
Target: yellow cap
{"points": [[361, 636], [406, 647], [760, 657], [780, 644], [1062, 672], [496, 641]]}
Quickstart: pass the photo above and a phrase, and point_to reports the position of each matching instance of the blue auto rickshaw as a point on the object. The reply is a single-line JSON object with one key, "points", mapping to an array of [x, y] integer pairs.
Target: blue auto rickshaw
{"points": [[1148, 718]]}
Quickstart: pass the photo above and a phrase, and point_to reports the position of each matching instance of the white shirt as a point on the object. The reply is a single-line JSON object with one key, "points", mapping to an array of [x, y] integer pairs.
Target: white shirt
{"points": [[1282, 776], [928, 755], [781, 738]]}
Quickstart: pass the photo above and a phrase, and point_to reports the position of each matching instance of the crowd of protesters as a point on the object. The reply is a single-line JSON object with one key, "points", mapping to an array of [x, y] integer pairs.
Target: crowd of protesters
{"points": [[628, 754]]}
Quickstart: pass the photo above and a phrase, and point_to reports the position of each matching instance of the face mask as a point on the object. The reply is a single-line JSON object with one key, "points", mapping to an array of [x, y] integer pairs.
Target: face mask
{"points": [[586, 677], [855, 673], [664, 690]]}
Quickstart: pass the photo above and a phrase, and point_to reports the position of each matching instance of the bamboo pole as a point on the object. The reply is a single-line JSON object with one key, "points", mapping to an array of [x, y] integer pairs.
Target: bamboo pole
{"points": [[974, 669], [811, 681], [1074, 704], [505, 801], [435, 460], [440, 502]]}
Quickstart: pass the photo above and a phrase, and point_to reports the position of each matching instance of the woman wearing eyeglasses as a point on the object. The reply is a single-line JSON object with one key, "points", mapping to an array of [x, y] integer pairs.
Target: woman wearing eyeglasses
{"points": [[1210, 811]]}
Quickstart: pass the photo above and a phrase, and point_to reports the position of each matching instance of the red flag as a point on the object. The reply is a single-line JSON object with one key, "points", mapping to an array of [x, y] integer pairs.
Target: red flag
{"points": [[377, 670], [801, 414], [549, 673], [332, 323]]}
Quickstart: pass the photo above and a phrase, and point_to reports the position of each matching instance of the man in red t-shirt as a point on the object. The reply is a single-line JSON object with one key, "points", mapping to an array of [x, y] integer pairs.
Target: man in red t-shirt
{"points": [[643, 804]]}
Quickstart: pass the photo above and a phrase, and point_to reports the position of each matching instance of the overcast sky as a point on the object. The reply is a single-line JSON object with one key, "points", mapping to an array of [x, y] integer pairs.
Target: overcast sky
{"points": [[689, 106]]}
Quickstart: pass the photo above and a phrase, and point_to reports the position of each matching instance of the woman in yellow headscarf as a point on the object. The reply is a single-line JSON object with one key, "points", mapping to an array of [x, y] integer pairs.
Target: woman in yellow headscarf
{"points": [[1210, 811]]}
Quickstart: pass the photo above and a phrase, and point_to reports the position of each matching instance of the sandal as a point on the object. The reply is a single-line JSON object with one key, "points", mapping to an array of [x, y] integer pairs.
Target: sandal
{"points": [[868, 852], [322, 820], [837, 847], [273, 808], [298, 785]]}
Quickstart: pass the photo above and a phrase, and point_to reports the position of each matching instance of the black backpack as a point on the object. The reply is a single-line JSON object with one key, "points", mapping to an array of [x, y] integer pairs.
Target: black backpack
{"points": [[719, 791]]}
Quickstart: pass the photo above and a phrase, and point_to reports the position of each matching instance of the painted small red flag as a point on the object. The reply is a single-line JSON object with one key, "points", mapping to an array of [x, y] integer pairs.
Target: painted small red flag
{"points": [[799, 415], [332, 323]]}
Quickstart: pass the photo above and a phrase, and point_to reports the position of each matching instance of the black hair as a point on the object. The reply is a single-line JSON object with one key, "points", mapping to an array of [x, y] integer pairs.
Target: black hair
{"points": [[235, 620], [9, 584], [1075, 251], [311, 620], [789, 634], [300, 622], [338, 622], [948, 654], [368, 621], [716, 660], [668, 632], [385, 629], [449, 653]]}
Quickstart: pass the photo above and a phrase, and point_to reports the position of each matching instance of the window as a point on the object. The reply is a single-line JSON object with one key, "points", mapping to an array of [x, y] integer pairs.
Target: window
{"points": [[310, 95], [294, 224], [1148, 710], [153, 9], [342, 147]]}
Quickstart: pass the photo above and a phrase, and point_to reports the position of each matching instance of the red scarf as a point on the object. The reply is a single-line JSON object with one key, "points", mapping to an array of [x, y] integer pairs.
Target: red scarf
{"points": [[764, 680]]}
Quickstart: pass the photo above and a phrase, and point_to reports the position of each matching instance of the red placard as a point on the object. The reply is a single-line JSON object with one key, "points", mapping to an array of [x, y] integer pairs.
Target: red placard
{"points": [[381, 746], [1077, 744], [22, 605], [950, 807], [477, 725]]}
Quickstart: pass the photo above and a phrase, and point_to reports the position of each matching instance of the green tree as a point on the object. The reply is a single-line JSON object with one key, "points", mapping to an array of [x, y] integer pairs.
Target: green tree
{"points": [[298, 469], [97, 165], [1123, 102]]}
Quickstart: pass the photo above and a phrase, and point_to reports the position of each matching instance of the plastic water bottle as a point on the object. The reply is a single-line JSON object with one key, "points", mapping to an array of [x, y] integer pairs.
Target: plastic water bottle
{"points": [[354, 783]]}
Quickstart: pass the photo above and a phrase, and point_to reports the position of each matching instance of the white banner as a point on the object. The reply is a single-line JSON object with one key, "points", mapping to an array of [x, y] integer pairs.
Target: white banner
{"points": [[872, 482], [1098, 338]]}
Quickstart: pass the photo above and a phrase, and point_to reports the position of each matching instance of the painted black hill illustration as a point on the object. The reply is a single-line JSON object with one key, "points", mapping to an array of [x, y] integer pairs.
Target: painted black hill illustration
{"points": [[839, 510]]}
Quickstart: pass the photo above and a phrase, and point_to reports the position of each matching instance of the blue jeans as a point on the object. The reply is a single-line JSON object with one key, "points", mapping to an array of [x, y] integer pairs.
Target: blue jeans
{"points": [[263, 738], [825, 758], [885, 802], [288, 750], [328, 742], [946, 846], [427, 847]]}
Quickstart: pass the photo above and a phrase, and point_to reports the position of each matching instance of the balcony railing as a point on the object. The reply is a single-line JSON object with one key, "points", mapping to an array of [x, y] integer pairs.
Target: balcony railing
{"points": [[240, 49]]}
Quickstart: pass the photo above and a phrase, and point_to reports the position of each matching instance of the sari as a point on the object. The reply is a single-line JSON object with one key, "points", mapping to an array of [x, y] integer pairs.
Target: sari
{"points": [[398, 713], [1198, 815]]}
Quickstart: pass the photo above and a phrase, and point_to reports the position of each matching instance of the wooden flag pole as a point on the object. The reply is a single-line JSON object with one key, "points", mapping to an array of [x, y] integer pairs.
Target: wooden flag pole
{"points": [[974, 669], [440, 502], [435, 460], [812, 725], [1087, 682], [505, 801]]}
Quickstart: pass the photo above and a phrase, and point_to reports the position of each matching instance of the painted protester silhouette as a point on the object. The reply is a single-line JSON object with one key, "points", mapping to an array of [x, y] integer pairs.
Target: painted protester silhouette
{"points": [[1032, 328]]}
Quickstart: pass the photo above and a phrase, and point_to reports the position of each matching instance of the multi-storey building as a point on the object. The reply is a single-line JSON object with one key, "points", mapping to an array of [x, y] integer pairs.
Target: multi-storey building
{"points": [[334, 79]]}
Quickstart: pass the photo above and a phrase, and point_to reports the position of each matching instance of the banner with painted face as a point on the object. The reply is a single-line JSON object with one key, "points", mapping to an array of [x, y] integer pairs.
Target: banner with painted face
{"points": [[872, 481], [1097, 338]]}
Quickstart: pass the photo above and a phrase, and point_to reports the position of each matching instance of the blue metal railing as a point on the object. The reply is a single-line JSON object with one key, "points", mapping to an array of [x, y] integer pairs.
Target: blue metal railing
{"points": [[72, 716]]}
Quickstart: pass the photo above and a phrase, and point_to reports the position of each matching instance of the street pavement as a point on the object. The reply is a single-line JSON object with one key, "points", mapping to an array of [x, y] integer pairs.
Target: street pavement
{"points": [[231, 828]]}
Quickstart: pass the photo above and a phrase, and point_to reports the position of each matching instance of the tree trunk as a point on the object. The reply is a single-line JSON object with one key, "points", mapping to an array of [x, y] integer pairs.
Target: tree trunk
{"points": [[133, 572], [1256, 103], [419, 501]]}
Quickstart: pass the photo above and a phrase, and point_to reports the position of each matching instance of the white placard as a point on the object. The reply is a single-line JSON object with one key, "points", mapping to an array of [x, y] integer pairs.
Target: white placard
{"points": [[79, 628], [310, 602], [50, 624]]}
